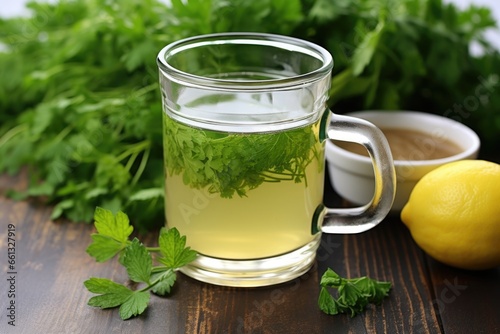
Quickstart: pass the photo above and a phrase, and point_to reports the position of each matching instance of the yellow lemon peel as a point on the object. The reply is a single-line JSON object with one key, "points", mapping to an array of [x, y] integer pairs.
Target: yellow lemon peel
{"points": [[453, 214]]}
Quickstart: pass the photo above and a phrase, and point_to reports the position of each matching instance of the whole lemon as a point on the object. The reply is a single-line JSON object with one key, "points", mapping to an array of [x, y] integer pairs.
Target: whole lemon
{"points": [[453, 214]]}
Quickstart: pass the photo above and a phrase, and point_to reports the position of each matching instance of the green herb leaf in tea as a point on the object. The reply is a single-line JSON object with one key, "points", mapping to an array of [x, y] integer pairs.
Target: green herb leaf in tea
{"points": [[230, 163]]}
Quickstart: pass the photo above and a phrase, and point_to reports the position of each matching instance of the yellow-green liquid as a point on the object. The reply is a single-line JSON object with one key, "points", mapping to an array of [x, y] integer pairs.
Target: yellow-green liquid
{"points": [[272, 219]]}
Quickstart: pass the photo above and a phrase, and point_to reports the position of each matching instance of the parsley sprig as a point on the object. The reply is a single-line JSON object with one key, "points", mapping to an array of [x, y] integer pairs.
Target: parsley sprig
{"points": [[113, 238], [354, 294]]}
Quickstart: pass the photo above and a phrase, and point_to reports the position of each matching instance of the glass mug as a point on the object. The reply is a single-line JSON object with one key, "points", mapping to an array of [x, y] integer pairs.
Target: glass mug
{"points": [[245, 123]]}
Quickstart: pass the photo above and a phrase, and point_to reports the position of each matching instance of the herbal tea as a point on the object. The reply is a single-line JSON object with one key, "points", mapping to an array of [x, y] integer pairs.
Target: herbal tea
{"points": [[245, 123], [243, 196], [409, 144]]}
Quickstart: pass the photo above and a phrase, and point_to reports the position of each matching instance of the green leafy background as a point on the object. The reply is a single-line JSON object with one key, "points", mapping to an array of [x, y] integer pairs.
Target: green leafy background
{"points": [[80, 104]]}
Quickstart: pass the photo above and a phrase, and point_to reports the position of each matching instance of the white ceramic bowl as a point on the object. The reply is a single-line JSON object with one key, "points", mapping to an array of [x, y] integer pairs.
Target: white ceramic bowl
{"points": [[351, 174]]}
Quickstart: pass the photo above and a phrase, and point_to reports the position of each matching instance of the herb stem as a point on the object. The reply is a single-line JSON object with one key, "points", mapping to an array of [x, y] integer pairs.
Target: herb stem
{"points": [[131, 160], [285, 176], [151, 285], [63, 133], [142, 166], [12, 133], [157, 269], [156, 281], [140, 146], [145, 90], [271, 178]]}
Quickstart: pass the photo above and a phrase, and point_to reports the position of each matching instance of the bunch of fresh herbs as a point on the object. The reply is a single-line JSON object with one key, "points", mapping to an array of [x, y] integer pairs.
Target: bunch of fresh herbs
{"points": [[80, 105]]}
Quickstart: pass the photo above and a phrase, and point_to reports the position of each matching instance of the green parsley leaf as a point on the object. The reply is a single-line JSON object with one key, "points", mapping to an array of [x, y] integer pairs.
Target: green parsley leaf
{"points": [[330, 278], [381, 291], [113, 232], [147, 194], [173, 248], [327, 303], [138, 262], [165, 283], [104, 247], [135, 304], [364, 52], [111, 294], [117, 226], [351, 298], [365, 284], [354, 294]]}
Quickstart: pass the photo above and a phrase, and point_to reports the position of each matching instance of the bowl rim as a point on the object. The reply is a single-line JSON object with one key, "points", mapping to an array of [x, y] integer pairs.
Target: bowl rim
{"points": [[467, 153]]}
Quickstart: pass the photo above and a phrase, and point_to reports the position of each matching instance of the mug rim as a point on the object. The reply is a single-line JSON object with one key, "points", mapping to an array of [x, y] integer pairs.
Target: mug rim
{"points": [[291, 44]]}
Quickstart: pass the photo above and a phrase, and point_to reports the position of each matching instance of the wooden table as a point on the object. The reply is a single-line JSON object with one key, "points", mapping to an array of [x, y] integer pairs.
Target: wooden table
{"points": [[51, 265]]}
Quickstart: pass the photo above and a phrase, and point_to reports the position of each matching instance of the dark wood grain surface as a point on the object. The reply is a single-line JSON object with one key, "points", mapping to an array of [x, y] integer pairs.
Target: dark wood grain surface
{"points": [[51, 265]]}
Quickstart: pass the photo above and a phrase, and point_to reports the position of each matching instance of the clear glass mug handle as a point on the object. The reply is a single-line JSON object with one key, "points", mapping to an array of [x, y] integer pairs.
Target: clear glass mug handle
{"points": [[360, 219]]}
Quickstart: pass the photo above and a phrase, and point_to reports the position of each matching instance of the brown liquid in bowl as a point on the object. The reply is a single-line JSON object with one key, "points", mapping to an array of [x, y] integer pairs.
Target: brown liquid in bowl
{"points": [[408, 144]]}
